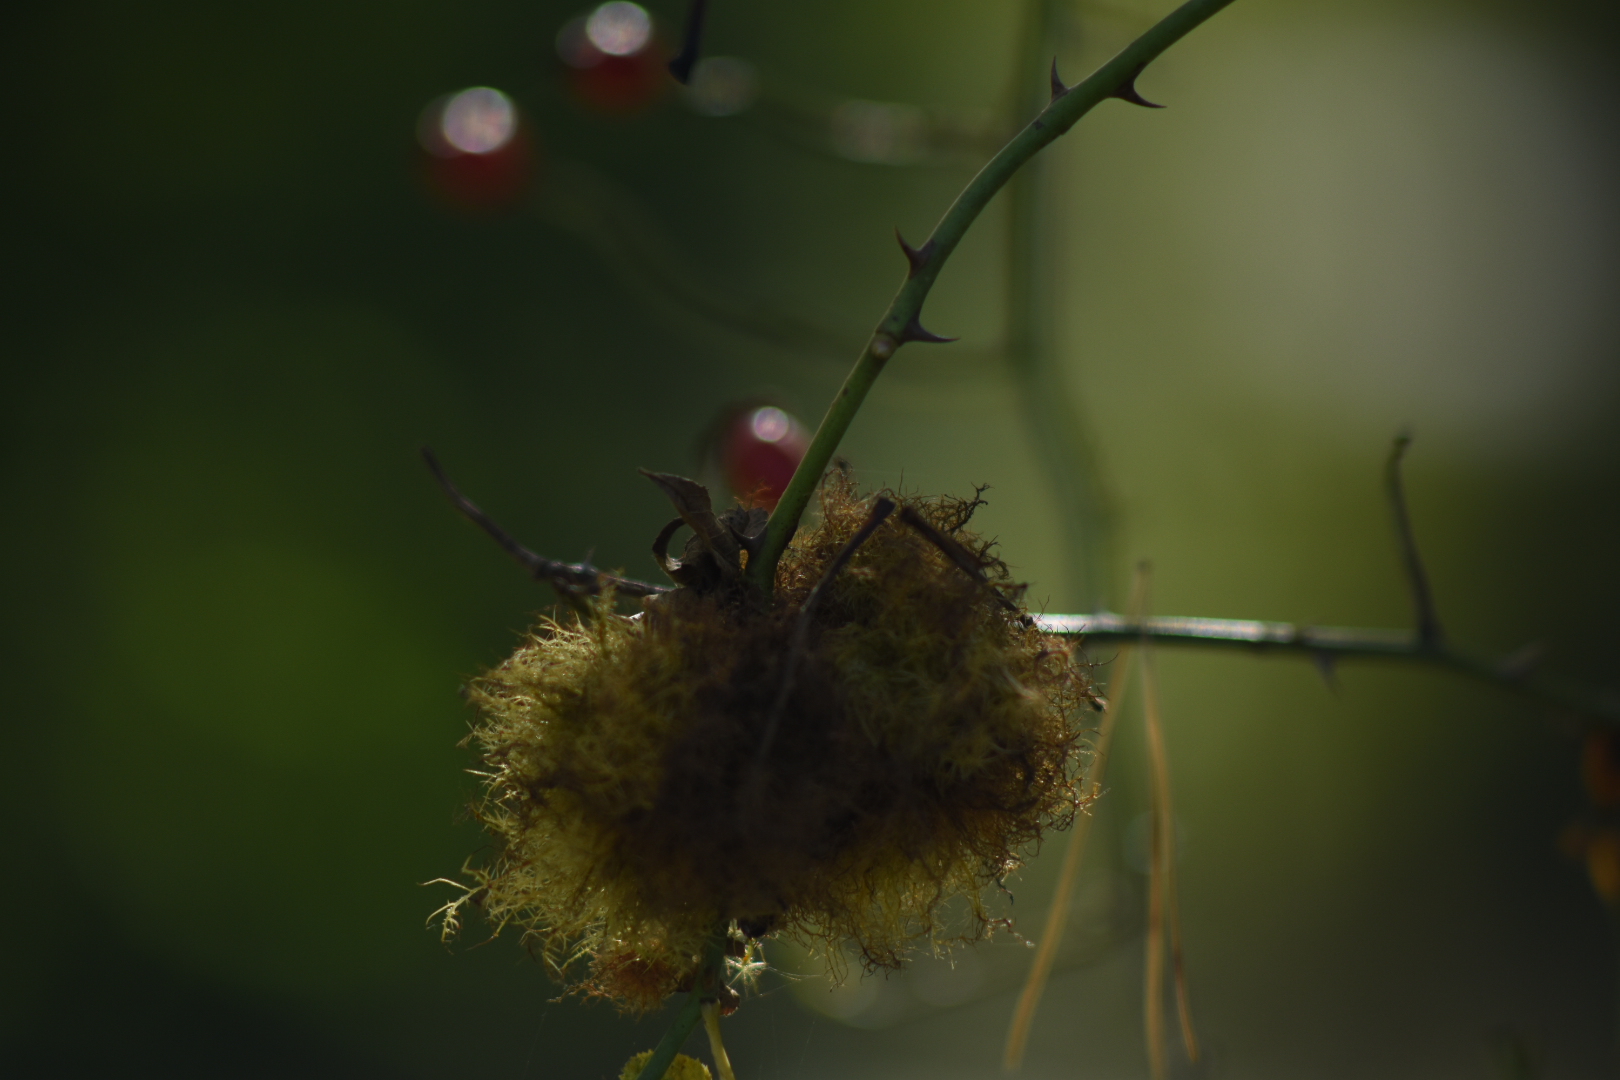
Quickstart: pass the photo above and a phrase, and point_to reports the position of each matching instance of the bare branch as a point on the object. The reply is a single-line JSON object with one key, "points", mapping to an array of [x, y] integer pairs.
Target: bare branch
{"points": [[1338, 642], [959, 555], [1428, 620]]}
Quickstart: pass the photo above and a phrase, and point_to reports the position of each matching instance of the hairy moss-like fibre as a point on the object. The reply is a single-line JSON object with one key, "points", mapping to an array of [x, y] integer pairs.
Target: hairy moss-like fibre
{"points": [[926, 739]]}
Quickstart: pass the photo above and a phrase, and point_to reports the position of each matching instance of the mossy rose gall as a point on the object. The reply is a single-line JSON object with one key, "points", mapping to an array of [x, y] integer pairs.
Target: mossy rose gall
{"points": [[884, 734]]}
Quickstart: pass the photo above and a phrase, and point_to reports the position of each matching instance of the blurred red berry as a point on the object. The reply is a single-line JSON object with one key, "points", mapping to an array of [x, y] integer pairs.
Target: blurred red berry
{"points": [[1600, 768], [614, 62], [759, 450], [620, 84], [1603, 864], [478, 152]]}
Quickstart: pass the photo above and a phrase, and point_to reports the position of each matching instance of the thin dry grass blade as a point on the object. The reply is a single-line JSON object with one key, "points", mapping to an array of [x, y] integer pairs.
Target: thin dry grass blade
{"points": [[1164, 911], [1159, 853], [1057, 916]]}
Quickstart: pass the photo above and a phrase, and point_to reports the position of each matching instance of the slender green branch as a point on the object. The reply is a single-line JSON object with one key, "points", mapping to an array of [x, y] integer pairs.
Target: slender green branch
{"points": [[704, 986], [901, 323], [674, 1038], [1330, 643]]}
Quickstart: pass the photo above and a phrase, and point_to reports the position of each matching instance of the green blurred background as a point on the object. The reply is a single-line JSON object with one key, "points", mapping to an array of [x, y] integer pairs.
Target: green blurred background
{"points": [[239, 612]]}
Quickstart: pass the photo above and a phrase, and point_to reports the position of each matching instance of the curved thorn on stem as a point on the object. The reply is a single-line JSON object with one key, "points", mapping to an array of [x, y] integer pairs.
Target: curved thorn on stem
{"points": [[915, 331], [916, 257], [1127, 91], [692, 43]]}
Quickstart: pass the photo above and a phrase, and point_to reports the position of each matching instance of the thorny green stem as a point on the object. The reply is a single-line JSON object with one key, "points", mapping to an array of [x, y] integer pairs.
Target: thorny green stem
{"points": [[900, 324], [1327, 644], [674, 1038], [704, 985]]}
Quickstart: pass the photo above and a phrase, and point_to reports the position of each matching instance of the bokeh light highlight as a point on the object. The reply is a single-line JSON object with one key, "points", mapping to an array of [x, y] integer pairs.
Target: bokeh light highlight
{"points": [[770, 424], [479, 121], [479, 156], [619, 28], [722, 86]]}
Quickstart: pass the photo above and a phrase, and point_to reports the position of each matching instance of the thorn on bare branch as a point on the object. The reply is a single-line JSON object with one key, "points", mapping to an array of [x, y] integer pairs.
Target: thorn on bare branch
{"points": [[915, 331], [1428, 620], [1058, 89], [916, 257], [1127, 91], [691, 44], [1327, 666], [1518, 672]]}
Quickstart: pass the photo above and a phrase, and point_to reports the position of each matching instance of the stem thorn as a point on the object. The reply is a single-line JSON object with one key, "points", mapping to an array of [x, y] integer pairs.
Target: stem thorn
{"points": [[916, 257], [1058, 89], [915, 331], [691, 45], [1127, 90], [1327, 666]]}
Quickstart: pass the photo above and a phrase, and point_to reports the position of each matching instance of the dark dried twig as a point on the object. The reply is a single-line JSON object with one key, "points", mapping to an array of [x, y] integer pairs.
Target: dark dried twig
{"points": [[571, 580], [962, 557], [881, 509]]}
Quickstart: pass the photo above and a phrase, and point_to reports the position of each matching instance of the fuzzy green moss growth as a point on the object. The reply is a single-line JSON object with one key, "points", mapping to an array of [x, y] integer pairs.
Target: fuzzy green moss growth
{"points": [[682, 1068], [928, 737]]}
